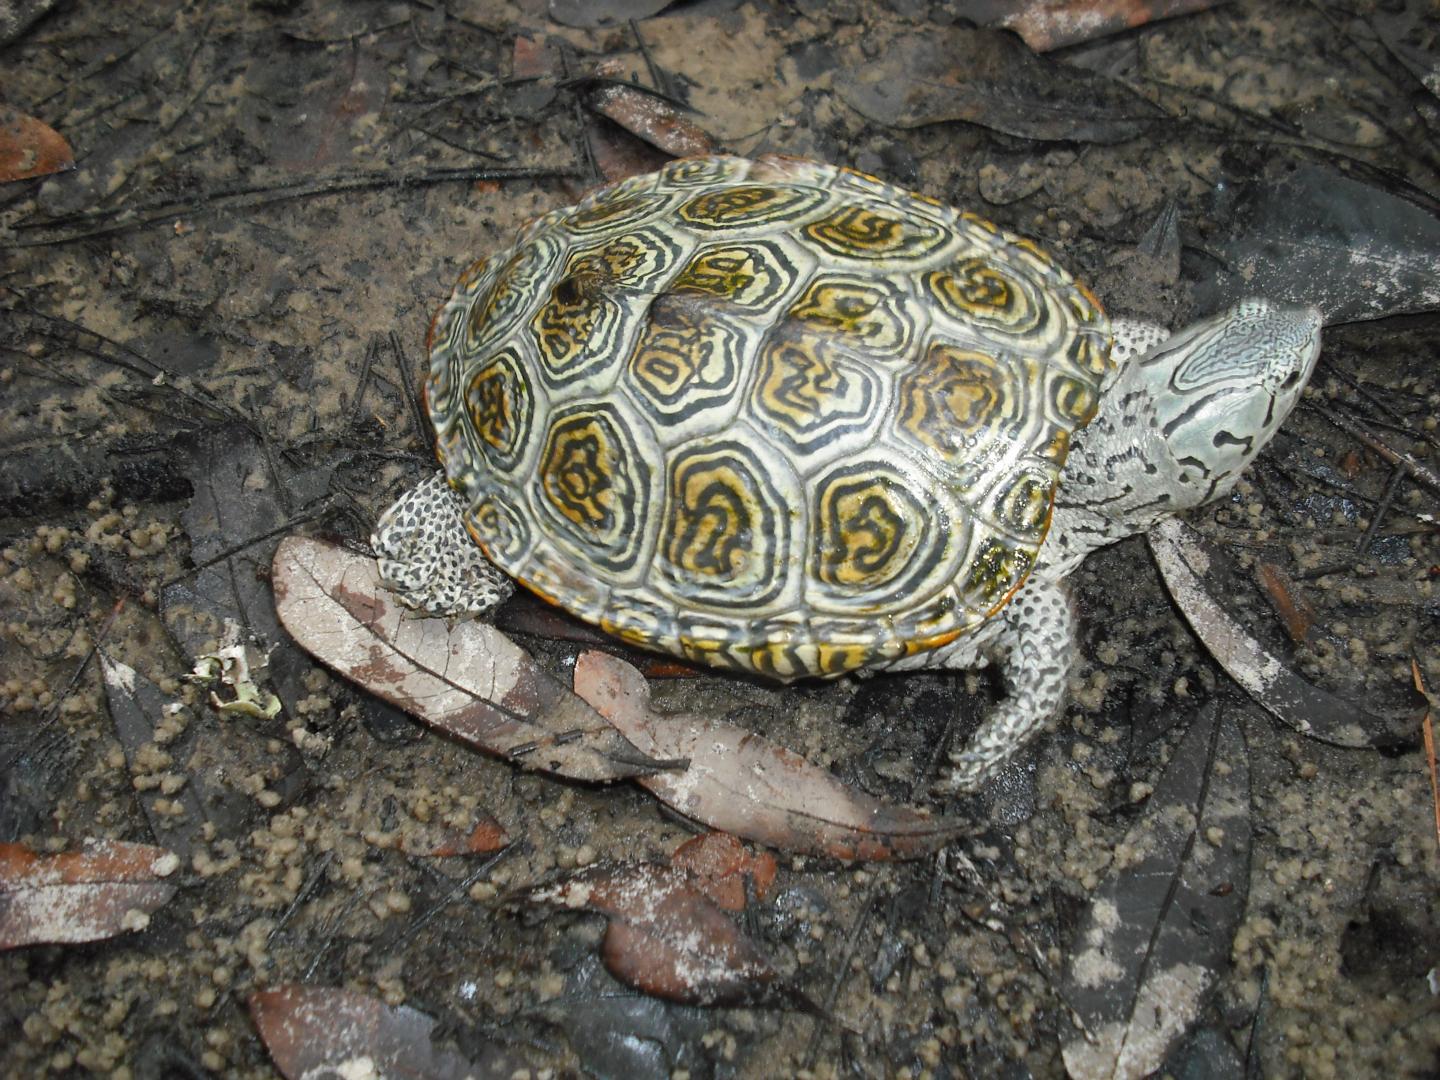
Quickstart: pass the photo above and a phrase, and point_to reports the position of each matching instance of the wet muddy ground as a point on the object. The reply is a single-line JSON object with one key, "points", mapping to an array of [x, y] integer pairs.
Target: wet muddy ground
{"points": [[209, 333]]}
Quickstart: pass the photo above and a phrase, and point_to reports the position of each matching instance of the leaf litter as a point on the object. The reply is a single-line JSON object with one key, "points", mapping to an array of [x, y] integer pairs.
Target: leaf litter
{"points": [[1195, 572], [667, 938], [469, 680], [314, 1031]]}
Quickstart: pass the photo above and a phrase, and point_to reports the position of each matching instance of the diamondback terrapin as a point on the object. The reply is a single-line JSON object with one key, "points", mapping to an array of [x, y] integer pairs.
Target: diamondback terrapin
{"points": [[786, 419]]}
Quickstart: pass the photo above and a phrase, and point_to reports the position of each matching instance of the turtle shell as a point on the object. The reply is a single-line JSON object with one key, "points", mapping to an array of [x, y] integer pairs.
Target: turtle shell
{"points": [[768, 415]]}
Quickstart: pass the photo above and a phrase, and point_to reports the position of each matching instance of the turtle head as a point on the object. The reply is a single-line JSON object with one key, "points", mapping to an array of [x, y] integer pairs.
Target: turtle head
{"points": [[1222, 387]]}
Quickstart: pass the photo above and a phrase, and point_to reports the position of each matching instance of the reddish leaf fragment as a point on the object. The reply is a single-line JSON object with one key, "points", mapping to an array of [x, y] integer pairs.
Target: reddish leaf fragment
{"points": [[666, 937], [722, 866], [108, 887], [1054, 24], [1159, 930], [1427, 731], [738, 782], [1186, 562], [533, 57], [485, 837], [324, 1031], [1297, 613], [618, 154], [30, 147], [469, 681], [651, 118]]}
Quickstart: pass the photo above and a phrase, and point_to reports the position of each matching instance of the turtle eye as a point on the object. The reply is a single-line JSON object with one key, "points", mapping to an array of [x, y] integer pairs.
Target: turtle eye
{"points": [[1291, 381]]}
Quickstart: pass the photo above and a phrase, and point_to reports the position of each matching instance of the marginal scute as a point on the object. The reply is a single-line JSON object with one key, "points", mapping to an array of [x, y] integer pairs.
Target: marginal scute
{"points": [[768, 415]]}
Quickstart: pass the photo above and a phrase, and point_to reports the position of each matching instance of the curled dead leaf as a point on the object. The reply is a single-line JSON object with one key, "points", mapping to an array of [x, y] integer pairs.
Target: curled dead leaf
{"points": [[741, 783], [666, 937], [651, 118], [1054, 24]]}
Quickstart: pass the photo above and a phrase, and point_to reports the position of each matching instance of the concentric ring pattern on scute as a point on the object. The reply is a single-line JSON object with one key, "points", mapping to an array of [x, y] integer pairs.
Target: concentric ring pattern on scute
{"points": [[770, 416]]}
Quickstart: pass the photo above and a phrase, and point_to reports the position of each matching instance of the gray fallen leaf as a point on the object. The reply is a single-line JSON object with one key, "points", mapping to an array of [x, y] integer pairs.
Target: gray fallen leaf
{"points": [[1158, 930], [1318, 237], [990, 78]]}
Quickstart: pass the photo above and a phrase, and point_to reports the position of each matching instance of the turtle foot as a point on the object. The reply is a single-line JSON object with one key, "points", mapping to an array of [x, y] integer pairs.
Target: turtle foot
{"points": [[428, 559]]}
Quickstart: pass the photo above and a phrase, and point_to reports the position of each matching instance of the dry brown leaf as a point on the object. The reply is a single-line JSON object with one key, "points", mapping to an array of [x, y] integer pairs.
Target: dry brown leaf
{"points": [[618, 154], [666, 937], [107, 888], [739, 782], [313, 1031], [1054, 24], [469, 681], [723, 868], [651, 118], [30, 147], [988, 77]]}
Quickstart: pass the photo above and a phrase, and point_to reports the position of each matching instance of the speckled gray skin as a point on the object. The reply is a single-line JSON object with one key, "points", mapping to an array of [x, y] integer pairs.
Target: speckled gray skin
{"points": [[429, 560], [1179, 418]]}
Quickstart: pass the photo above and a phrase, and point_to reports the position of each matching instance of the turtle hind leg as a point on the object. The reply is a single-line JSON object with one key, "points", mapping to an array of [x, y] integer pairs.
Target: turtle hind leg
{"points": [[428, 559], [1036, 648]]}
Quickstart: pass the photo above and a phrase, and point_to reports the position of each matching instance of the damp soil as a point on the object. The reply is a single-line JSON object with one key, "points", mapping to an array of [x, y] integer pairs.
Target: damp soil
{"points": [[209, 333]]}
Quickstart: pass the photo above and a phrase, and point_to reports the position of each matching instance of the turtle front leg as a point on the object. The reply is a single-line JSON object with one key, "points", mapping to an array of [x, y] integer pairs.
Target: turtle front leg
{"points": [[1036, 649], [428, 559]]}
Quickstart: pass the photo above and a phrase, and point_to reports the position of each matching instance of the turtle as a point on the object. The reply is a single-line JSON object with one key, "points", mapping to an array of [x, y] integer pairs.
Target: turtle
{"points": [[785, 419]]}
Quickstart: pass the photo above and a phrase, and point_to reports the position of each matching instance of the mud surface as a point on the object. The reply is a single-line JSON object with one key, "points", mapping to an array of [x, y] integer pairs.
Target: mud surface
{"points": [[209, 330]]}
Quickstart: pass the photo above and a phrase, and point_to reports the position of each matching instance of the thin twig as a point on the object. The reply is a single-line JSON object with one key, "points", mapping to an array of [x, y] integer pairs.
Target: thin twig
{"points": [[250, 196]]}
